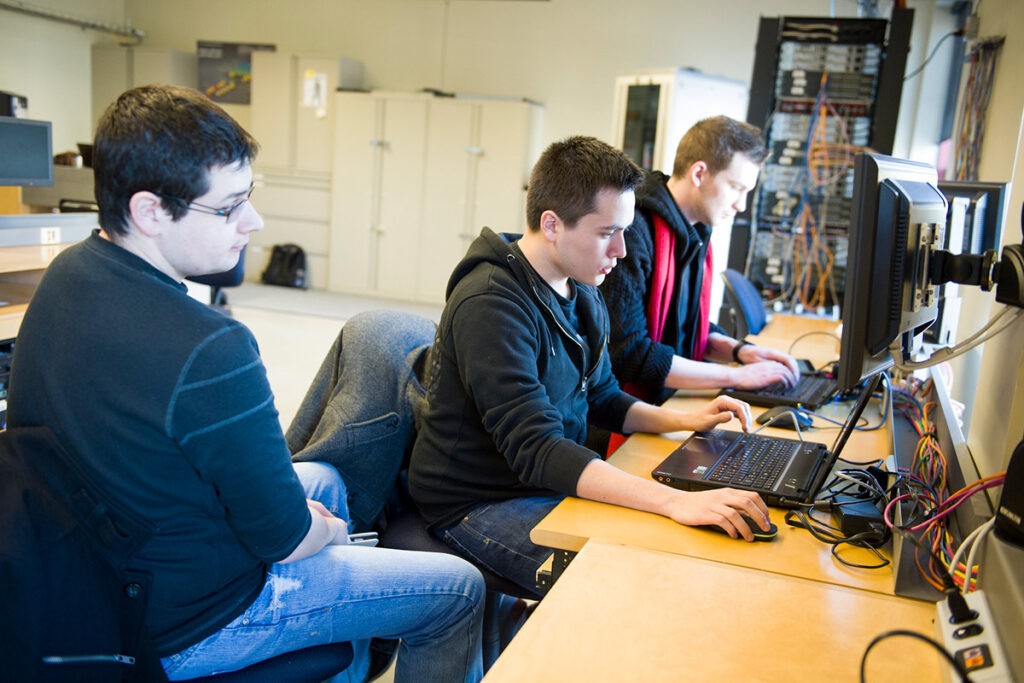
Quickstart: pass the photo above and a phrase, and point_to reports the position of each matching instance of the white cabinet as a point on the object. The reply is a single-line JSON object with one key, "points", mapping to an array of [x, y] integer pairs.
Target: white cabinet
{"points": [[415, 179], [292, 119]]}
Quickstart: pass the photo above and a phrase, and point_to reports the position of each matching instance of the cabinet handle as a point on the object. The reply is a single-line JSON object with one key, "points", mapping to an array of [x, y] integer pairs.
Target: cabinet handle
{"points": [[475, 151], [383, 144]]}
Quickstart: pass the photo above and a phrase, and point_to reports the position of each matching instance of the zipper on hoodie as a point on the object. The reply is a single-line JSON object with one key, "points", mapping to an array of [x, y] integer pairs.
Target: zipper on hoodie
{"points": [[587, 374]]}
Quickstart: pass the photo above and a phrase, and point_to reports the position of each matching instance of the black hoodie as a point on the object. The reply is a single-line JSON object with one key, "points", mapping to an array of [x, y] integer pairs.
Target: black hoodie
{"points": [[510, 388], [635, 356]]}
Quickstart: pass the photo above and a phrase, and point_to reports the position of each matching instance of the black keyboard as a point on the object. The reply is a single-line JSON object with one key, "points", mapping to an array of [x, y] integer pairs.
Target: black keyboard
{"points": [[811, 390], [755, 462]]}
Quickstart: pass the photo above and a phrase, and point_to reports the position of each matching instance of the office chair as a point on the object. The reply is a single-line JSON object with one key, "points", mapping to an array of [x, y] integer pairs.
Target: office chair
{"points": [[309, 665], [218, 281], [743, 310]]}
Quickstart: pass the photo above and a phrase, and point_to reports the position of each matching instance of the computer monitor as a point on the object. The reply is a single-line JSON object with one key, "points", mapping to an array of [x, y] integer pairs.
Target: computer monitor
{"points": [[26, 152], [983, 204], [898, 218], [974, 223]]}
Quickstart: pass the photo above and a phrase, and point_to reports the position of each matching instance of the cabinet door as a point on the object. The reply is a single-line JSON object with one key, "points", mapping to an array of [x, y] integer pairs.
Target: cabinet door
{"points": [[354, 186], [508, 139], [448, 225], [316, 79], [402, 150], [272, 110]]}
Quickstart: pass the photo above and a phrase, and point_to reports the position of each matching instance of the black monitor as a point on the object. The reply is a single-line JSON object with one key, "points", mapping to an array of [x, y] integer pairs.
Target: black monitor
{"points": [[898, 217], [26, 152]]}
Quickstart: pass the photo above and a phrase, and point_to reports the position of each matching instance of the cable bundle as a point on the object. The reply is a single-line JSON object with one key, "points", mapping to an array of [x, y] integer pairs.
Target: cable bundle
{"points": [[977, 93], [924, 487]]}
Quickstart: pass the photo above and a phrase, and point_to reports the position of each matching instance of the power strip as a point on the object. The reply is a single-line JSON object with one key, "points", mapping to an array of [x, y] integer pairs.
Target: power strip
{"points": [[975, 643]]}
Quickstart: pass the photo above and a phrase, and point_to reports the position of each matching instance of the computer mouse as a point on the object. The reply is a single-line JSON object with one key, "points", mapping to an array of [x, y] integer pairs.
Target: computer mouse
{"points": [[790, 417], [759, 533]]}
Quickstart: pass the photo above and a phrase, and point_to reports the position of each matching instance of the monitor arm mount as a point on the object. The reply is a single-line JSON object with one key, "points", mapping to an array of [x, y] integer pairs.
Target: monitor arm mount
{"points": [[983, 270]]}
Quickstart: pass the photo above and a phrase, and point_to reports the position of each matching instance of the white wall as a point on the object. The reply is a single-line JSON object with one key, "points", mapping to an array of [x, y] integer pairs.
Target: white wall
{"points": [[49, 63], [563, 53], [998, 415]]}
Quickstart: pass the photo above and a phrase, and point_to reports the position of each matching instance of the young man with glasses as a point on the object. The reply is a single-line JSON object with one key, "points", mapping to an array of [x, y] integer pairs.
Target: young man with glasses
{"points": [[165, 404]]}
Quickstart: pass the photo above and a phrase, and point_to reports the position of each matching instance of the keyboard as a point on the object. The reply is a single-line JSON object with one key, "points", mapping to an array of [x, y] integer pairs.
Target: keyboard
{"points": [[812, 391], [755, 462]]}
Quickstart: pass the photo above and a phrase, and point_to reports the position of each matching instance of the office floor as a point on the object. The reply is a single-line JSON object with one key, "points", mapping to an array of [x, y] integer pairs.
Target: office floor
{"points": [[294, 330]]}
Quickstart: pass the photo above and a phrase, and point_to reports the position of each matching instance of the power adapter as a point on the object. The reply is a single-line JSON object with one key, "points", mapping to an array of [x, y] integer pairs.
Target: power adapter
{"points": [[856, 516]]}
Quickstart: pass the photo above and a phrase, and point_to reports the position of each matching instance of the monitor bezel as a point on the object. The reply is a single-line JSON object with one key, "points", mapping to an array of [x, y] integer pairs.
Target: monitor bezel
{"points": [[856, 363]]}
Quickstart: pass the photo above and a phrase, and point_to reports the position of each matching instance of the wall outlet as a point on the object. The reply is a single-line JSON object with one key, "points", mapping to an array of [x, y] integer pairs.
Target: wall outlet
{"points": [[975, 644]]}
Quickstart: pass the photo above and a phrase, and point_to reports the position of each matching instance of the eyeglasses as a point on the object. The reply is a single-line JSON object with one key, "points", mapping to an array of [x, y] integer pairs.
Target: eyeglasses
{"points": [[227, 213]]}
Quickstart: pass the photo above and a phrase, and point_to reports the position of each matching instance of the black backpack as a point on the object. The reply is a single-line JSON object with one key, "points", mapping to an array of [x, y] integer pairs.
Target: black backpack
{"points": [[287, 267], [72, 609]]}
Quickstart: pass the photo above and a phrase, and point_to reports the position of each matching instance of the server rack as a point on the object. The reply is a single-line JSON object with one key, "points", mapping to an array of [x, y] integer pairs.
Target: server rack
{"points": [[821, 90]]}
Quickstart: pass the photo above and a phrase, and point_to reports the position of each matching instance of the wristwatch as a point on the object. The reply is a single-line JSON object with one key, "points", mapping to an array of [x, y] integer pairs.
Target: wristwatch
{"points": [[736, 350]]}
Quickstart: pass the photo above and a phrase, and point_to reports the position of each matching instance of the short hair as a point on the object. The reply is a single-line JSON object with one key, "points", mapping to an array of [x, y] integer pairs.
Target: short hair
{"points": [[714, 141], [570, 173], [164, 139]]}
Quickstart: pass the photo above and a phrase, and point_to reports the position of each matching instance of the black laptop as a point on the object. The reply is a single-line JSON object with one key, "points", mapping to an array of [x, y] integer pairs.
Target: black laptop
{"points": [[812, 391], [785, 472]]}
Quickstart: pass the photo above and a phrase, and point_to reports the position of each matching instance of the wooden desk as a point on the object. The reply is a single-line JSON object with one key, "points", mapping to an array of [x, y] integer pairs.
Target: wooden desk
{"points": [[820, 345], [20, 270], [794, 552], [629, 614]]}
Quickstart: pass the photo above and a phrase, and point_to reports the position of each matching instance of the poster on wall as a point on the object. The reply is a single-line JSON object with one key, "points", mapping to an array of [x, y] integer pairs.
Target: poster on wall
{"points": [[225, 70]]}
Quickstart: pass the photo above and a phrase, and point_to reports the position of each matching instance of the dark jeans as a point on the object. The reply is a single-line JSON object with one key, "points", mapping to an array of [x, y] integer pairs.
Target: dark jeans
{"points": [[497, 536]]}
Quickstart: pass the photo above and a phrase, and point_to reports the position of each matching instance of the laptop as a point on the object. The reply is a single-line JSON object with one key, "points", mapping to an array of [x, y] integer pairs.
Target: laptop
{"points": [[812, 391], [785, 472]]}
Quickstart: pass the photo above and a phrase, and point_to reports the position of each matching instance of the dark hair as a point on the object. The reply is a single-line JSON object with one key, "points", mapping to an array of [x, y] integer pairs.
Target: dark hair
{"points": [[570, 173], [714, 141], [164, 139]]}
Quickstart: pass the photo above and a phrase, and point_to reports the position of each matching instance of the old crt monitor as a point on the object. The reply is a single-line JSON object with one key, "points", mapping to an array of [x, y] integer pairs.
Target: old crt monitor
{"points": [[898, 218], [26, 152]]}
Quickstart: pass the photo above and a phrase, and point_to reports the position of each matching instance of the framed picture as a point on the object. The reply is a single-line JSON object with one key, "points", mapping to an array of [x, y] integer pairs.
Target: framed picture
{"points": [[225, 70]]}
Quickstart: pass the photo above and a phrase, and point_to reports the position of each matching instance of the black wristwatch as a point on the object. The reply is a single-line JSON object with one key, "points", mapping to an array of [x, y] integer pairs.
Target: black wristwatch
{"points": [[736, 350]]}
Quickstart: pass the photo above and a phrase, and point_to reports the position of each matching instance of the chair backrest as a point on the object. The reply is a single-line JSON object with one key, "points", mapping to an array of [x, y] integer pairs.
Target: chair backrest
{"points": [[743, 309], [229, 278], [72, 609]]}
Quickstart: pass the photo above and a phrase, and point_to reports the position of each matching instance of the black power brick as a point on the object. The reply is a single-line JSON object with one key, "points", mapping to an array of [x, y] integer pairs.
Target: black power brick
{"points": [[856, 516]]}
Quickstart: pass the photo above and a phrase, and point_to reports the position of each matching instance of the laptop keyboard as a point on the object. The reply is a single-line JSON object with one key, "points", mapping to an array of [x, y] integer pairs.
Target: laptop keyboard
{"points": [[755, 462], [811, 389]]}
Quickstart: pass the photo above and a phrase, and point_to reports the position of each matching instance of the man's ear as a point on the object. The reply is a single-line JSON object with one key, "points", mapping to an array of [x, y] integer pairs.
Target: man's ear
{"points": [[147, 213], [549, 225], [699, 172]]}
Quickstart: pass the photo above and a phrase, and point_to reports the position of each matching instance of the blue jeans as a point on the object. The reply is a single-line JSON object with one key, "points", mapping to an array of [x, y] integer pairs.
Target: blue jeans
{"points": [[497, 536], [433, 602]]}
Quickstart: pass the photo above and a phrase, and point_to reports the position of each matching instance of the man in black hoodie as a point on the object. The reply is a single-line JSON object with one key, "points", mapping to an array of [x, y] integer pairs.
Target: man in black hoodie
{"points": [[716, 166], [519, 365]]}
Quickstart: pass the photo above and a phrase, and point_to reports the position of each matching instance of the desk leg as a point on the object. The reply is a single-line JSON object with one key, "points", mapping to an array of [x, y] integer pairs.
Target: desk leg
{"points": [[549, 574]]}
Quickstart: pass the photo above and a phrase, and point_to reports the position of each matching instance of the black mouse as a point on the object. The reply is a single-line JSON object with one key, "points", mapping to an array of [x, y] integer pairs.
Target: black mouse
{"points": [[759, 533], [789, 418]]}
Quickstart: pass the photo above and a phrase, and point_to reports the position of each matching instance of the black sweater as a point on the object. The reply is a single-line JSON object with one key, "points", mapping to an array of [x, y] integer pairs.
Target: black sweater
{"points": [[510, 388], [165, 403], [635, 356]]}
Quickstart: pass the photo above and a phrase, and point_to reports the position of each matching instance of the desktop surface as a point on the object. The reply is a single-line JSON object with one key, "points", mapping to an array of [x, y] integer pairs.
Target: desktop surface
{"points": [[623, 613]]}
